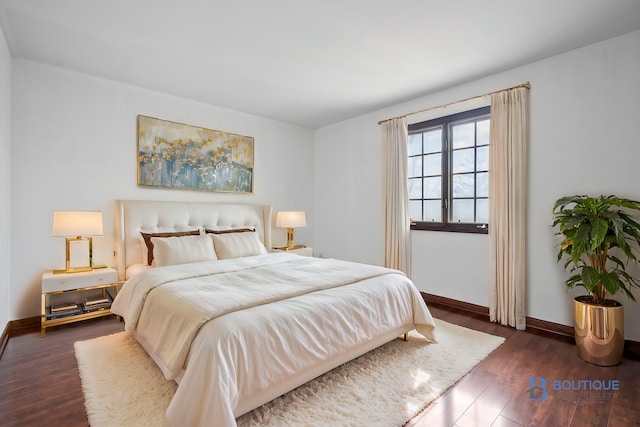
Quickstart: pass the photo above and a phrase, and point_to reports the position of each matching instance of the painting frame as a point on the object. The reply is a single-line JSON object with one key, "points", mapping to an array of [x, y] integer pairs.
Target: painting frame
{"points": [[175, 155]]}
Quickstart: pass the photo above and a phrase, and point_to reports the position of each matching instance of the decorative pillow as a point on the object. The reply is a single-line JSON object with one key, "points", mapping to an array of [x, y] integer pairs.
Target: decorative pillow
{"points": [[182, 250], [228, 230], [148, 244], [234, 245]]}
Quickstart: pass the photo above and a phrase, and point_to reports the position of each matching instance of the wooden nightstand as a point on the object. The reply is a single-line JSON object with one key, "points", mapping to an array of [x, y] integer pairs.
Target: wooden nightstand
{"points": [[68, 292], [304, 250]]}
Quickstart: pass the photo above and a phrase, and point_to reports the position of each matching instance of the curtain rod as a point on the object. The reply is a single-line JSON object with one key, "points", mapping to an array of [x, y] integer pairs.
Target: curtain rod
{"points": [[525, 85]]}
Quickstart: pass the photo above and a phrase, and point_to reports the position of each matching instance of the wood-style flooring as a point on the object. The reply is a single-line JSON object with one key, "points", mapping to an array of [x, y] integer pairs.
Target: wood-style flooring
{"points": [[40, 386]]}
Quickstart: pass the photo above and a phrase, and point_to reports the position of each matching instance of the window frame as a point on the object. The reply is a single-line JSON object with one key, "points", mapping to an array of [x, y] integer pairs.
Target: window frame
{"points": [[445, 123]]}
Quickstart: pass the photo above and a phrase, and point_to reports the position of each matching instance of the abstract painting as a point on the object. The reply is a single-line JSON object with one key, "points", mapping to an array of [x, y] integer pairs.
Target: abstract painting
{"points": [[176, 155]]}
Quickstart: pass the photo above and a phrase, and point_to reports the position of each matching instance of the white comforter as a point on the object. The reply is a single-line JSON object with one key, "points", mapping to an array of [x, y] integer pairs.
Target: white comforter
{"points": [[237, 333]]}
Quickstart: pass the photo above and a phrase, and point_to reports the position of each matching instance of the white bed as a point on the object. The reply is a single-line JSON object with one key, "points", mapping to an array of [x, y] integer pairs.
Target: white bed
{"points": [[236, 333]]}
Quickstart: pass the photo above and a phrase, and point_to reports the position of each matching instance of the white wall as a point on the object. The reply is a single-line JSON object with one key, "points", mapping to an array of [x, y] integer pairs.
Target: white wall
{"points": [[348, 192], [74, 148], [5, 179], [584, 113]]}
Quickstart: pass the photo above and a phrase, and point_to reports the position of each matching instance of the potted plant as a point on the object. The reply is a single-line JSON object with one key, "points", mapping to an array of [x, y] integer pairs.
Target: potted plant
{"points": [[598, 233]]}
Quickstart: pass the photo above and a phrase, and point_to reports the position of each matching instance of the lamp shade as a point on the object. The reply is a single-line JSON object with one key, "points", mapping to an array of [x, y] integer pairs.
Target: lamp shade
{"points": [[77, 223], [291, 219]]}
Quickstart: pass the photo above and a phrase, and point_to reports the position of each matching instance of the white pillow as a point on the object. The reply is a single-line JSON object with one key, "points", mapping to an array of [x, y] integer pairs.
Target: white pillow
{"points": [[182, 250], [147, 244], [234, 245]]}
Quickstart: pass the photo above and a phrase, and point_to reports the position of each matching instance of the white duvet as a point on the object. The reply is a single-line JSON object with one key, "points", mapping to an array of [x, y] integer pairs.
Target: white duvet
{"points": [[237, 333]]}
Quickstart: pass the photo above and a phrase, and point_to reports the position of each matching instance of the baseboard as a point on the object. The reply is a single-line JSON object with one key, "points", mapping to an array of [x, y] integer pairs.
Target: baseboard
{"points": [[545, 327], [18, 327], [456, 304], [4, 339], [632, 350], [24, 326], [533, 325], [538, 326]]}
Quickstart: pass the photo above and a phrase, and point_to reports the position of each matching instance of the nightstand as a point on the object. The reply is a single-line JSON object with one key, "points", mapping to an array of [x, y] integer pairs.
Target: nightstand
{"points": [[304, 250], [73, 297]]}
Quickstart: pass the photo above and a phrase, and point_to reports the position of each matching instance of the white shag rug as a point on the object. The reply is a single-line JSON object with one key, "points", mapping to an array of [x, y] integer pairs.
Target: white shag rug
{"points": [[385, 387]]}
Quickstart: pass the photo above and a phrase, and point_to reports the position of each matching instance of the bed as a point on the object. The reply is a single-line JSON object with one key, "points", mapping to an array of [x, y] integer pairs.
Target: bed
{"points": [[242, 326]]}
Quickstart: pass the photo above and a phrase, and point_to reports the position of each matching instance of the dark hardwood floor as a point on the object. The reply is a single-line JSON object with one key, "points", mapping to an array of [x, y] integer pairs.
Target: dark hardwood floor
{"points": [[497, 391], [40, 386]]}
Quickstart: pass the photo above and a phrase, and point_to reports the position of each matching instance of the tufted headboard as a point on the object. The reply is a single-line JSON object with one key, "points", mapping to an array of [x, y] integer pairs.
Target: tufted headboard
{"points": [[134, 216]]}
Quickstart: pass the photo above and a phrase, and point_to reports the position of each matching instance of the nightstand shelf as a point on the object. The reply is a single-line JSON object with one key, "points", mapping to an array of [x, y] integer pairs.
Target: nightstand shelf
{"points": [[76, 287]]}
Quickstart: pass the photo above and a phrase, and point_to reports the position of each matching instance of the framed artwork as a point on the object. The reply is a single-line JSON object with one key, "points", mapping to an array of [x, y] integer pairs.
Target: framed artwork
{"points": [[176, 155]]}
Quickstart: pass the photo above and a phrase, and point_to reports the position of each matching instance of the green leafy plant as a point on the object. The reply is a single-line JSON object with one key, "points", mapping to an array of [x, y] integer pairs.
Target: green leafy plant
{"points": [[592, 228]]}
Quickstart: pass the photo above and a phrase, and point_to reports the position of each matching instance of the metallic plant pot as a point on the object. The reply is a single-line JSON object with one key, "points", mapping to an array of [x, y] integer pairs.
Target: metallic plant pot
{"points": [[599, 332]]}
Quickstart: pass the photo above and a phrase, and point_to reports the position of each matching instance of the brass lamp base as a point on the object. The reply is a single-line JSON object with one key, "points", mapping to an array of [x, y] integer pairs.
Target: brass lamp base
{"points": [[290, 248], [290, 244], [82, 269]]}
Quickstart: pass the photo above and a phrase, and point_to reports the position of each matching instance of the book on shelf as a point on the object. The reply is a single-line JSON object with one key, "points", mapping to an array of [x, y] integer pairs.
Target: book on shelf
{"points": [[64, 313], [96, 307], [96, 301], [58, 308]]}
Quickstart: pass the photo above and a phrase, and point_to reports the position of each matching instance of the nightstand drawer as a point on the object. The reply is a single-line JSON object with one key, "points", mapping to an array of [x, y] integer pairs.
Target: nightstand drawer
{"points": [[63, 282]]}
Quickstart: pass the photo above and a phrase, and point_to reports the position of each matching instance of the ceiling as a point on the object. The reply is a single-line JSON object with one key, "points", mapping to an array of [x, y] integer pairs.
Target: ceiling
{"points": [[305, 62]]}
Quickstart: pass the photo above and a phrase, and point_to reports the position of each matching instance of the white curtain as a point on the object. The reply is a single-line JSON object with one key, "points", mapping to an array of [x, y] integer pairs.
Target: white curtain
{"points": [[507, 205], [397, 241]]}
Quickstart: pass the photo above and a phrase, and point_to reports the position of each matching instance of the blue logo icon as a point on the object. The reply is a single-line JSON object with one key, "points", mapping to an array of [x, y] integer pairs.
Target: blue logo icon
{"points": [[538, 388]]}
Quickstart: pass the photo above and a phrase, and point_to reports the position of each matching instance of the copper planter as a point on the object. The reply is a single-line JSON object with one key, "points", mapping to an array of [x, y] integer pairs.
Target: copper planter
{"points": [[599, 332]]}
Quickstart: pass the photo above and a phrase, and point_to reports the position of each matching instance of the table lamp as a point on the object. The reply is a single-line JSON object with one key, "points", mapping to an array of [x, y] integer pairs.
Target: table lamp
{"points": [[291, 220], [78, 227]]}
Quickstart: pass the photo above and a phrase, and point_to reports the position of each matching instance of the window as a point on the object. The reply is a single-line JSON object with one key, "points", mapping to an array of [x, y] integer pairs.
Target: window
{"points": [[448, 172]]}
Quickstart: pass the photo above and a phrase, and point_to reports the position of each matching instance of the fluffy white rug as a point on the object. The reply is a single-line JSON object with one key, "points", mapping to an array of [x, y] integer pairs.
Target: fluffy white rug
{"points": [[385, 387]]}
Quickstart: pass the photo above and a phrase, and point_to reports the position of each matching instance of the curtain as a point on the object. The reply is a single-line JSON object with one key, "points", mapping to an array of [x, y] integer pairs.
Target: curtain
{"points": [[397, 241], [507, 204]]}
